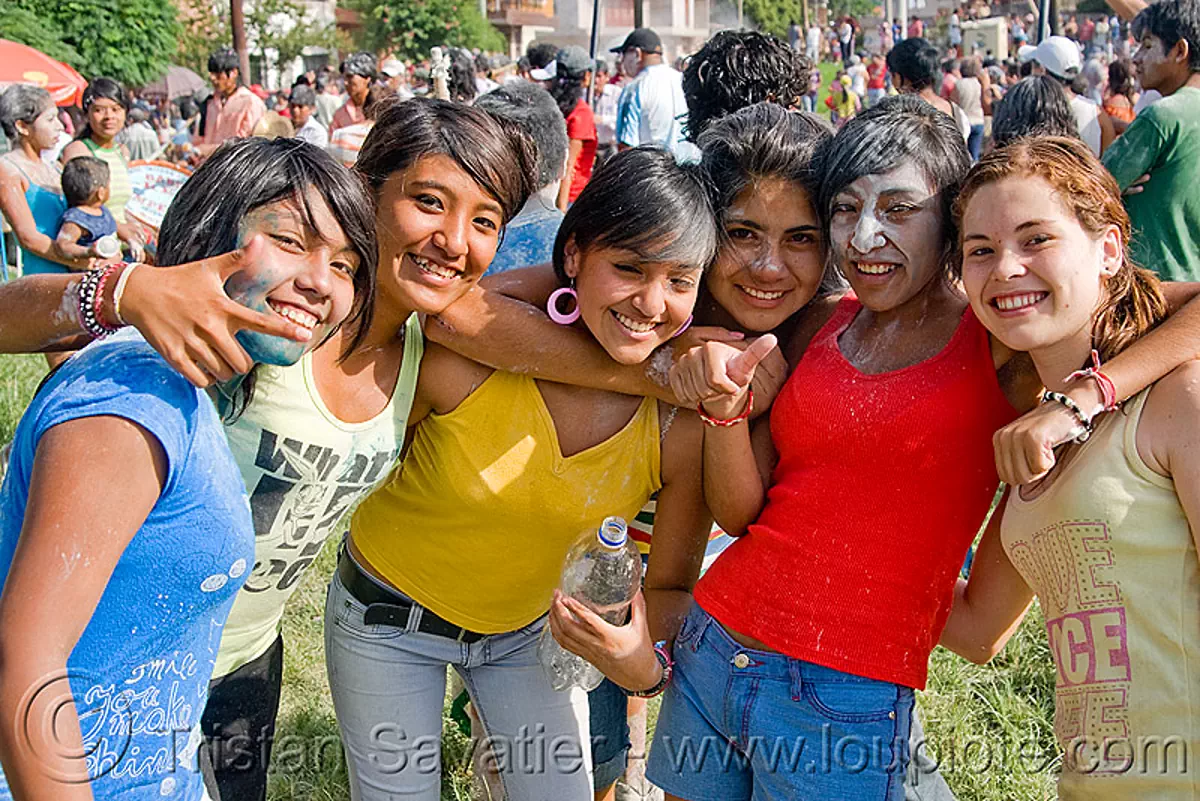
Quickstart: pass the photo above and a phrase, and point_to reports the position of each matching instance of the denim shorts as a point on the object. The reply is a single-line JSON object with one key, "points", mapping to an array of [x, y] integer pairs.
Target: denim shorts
{"points": [[737, 723], [608, 713]]}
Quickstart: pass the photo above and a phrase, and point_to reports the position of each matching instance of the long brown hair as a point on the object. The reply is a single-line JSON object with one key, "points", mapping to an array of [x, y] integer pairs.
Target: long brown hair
{"points": [[1133, 302]]}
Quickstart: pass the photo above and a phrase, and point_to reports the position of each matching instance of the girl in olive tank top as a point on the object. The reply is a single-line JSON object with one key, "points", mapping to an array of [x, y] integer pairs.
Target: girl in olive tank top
{"points": [[1105, 540]]}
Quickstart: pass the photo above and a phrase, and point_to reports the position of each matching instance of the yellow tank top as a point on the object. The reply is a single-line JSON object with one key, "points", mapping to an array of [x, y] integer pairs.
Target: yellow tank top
{"points": [[120, 188], [1108, 551], [475, 522]]}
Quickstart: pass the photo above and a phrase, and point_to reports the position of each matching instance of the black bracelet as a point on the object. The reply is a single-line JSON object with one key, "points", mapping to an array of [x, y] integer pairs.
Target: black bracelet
{"points": [[665, 661], [1073, 408]]}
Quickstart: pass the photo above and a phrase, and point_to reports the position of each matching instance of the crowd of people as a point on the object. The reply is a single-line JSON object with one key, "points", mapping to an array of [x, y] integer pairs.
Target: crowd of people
{"points": [[799, 355]]}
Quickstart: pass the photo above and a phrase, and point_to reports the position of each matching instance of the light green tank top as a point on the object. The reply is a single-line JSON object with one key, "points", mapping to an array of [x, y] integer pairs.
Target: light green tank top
{"points": [[1108, 550], [119, 186]]}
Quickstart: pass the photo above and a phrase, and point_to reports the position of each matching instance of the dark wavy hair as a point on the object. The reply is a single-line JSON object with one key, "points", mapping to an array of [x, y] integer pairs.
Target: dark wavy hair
{"points": [[97, 89], [736, 69], [498, 155], [204, 219], [895, 131], [1035, 106], [1170, 21], [567, 88], [916, 61], [1120, 78], [461, 80], [642, 200], [763, 142]]}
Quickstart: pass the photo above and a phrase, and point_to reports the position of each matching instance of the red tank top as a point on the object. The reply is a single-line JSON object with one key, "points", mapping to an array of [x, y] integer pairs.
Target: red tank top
{"points": [[882, 482]]}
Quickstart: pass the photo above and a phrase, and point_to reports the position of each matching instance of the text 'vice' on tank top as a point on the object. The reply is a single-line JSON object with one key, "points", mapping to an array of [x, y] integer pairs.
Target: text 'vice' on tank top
{"points": [[476, 522], [1108, 549], [882, 482]]}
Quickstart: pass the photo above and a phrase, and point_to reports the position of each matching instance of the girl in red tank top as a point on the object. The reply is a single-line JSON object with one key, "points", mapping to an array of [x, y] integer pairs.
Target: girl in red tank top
{"points": [[858, 509]]}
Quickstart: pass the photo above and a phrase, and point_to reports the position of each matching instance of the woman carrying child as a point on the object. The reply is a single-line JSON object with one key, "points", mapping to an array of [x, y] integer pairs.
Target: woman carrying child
{"points": [[30, 189], [105, 105]]}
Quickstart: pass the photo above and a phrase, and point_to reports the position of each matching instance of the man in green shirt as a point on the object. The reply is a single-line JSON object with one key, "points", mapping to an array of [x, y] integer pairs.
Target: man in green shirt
{"points": [[1164, 142]]}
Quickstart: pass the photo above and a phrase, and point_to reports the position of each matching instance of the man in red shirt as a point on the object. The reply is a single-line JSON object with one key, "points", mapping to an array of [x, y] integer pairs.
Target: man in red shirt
{"points": [[233, 110], [876, 79]]}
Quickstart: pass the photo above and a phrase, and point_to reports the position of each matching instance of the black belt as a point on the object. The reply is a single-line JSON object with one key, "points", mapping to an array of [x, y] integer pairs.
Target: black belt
{"points": [[388, 608]]}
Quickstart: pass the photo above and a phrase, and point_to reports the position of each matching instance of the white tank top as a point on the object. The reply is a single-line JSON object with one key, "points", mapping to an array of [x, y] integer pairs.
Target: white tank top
{"points": [[1087, 119]]}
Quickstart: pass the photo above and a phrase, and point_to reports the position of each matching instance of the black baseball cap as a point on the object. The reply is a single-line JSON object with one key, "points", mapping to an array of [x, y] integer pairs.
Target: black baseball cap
{"points": [[643, 39]]}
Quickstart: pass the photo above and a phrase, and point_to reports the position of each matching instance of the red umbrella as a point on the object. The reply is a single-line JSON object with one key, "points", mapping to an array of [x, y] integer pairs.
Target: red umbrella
{"points": [[22, 64]]}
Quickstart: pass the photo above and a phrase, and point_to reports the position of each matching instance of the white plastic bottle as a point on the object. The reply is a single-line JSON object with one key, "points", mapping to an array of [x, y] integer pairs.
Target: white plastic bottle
{"points": [[603, 570]]}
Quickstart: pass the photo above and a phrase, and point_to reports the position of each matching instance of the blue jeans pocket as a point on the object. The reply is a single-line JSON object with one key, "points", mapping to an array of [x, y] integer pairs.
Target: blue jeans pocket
{"points": [[863, 701]]}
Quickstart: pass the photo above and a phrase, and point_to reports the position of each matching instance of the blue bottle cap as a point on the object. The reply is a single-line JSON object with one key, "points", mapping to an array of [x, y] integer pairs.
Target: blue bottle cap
{"points": [[613, 532]]}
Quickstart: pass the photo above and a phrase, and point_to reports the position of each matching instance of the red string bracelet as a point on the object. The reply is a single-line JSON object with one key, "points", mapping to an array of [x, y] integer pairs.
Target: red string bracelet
{"points": [[1108, 390], [717, 422]]}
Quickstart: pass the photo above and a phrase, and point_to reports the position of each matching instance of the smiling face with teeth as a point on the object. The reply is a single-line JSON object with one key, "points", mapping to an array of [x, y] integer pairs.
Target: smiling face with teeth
{"points": [[631, 306], [1034, 275], [305, 275], [888, 236], [438, 231], [772, 260]]}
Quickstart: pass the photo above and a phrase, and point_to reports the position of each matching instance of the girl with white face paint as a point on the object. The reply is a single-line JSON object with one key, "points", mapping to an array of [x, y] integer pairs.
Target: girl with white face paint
{"points": [[899, 388]]}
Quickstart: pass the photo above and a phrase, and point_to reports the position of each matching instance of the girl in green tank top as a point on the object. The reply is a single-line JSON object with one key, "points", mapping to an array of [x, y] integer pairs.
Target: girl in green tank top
{"points": [[1106, 540], [105, 103]]}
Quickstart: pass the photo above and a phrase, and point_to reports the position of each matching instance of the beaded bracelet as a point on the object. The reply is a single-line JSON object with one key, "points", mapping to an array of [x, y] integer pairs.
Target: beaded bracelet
{"points": [[717, 422], [91, 301], [668, 665], [1073, 408]]}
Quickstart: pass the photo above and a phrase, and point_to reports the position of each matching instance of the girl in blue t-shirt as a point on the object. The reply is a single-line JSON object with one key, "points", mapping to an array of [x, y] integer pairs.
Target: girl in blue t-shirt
{"points": [[124, 527]]}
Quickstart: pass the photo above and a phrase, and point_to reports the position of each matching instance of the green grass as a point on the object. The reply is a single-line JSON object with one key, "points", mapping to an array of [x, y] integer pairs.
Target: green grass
{"points": [[991, 727]]}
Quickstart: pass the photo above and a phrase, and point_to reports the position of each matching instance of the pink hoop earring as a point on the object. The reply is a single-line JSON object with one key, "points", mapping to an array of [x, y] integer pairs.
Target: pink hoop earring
{"points": [[686, 325], [552, 306]]}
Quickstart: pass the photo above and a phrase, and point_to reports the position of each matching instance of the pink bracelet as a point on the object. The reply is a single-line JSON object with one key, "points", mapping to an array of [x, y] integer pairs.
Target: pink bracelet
{"points": [[1108, 390]]}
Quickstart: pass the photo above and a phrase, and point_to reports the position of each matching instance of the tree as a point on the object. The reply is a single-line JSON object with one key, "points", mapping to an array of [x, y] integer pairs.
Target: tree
{"points": [[22, 25], [412, 27], [774, 16], [132, 41], [279, 30]]}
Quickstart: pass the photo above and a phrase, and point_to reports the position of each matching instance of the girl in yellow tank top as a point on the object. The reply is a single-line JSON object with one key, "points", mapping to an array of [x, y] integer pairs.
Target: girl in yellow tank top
{"points": [[1106, 540], [455, 559]]}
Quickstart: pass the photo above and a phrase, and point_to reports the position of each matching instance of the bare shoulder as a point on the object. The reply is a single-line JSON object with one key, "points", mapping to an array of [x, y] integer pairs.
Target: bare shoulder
{"points": [[814, 317], [1169, 427], [683, 445], [73, 150], [447, 378]]}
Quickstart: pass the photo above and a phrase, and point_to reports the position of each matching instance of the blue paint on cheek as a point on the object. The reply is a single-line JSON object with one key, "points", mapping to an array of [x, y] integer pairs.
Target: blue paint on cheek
{"points": [[261, 348]]}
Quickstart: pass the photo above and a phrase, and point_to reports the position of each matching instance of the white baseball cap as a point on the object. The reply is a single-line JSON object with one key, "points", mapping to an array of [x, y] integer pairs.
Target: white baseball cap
{"points": [[1059, 55], [1025, 52], [391, 67]]}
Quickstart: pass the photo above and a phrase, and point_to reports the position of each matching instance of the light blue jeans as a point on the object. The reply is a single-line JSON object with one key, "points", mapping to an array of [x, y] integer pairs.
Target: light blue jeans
{"points": [[389, 686]]}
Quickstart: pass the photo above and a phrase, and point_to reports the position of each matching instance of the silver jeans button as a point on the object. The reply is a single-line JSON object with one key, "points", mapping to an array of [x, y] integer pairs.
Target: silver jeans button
{"points": [[741, 661]]}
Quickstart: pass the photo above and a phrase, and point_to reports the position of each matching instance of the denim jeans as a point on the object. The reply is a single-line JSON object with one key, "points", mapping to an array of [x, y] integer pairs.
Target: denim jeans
{"points": [[975, 142], [739, 724], [389, 685]]}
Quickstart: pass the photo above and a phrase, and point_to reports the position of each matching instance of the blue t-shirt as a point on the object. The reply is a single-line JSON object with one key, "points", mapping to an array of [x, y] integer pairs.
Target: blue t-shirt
{"points": [[140, 671], [93, 226], [528, 239]]}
